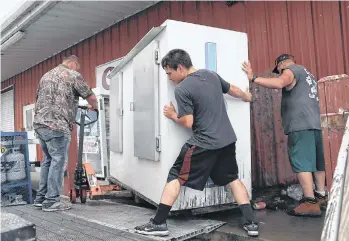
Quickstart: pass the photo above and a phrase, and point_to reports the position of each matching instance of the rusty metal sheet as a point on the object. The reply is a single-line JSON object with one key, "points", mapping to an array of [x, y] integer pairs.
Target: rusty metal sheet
{"points": [[327, 154], [336, 91], [334, 104]]}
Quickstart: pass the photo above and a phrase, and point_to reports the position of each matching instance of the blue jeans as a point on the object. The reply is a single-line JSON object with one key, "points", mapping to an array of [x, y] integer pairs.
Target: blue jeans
{"points": [[55, 145]]}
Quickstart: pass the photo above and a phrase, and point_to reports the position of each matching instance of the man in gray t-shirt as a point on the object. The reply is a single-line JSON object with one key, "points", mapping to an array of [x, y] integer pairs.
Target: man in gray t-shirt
{"points": [[300, 114], [210, 152], [200, 95]]}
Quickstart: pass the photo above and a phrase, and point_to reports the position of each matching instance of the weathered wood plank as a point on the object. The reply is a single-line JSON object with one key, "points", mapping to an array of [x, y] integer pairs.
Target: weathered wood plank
{"points": [[334, 207], [344, 222]]}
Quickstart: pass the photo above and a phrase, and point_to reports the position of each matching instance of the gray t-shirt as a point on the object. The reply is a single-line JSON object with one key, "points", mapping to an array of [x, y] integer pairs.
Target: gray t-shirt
{"points": [[300, 109], [201, 95]]}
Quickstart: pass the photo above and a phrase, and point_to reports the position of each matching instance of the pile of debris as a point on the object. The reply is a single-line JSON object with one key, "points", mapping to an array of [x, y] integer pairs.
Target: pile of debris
{"points": [[281, 200]]}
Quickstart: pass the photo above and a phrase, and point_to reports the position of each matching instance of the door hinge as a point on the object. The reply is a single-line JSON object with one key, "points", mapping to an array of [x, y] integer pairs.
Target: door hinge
{"points": [[157, 56], [120, 111], [158, 143]]}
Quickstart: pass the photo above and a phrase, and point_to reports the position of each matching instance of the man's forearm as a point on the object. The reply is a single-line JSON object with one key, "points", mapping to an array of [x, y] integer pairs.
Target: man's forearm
{"points": [[92, 100], [271, 83], [237, 93], [180, 121]]}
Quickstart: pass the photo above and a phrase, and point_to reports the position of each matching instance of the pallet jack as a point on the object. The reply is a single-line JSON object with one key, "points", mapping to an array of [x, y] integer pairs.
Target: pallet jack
{"points": [[85, 180]]}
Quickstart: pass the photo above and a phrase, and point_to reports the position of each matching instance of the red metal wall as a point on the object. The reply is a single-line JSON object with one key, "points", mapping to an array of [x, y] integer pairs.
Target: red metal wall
{"points": [[316, 33]]}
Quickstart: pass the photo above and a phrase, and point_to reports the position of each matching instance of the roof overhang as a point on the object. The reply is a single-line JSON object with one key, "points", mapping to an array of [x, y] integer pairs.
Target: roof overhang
{"points": [[40, 29]]}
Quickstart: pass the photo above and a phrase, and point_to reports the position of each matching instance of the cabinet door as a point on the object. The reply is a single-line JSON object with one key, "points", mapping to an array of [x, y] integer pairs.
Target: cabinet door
{"points": [[146, 103], [116, 113]]}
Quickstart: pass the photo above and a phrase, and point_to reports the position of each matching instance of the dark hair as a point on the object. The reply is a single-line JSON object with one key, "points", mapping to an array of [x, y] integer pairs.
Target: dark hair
{"points": [[175, 57]]}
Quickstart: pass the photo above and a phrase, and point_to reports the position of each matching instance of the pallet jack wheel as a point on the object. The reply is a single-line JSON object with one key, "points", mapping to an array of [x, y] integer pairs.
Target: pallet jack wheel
{"points": [[72, 195], [83, 196]]}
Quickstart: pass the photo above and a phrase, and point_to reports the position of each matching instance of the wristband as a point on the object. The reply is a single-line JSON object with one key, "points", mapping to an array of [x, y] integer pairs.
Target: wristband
{"points": [[254, 78]]}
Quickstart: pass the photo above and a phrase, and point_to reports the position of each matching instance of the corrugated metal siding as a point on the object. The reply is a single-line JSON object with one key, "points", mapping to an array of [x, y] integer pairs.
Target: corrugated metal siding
{"points": [[344, 23], [316, 33]]}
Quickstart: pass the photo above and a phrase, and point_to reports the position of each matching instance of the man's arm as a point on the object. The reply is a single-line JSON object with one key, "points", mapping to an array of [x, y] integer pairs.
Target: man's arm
{"points": [[185, 121], [238, 93], [92, 101], [234, 91], [284, 80], [184, 117], [84, 91]]}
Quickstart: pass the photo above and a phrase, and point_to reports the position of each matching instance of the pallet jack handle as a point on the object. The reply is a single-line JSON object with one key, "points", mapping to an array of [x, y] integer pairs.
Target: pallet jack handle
{"points": [[82, 124]]}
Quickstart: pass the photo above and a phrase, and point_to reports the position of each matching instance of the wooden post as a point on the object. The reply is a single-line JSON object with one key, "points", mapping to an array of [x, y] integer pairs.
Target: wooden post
{"points": [[335, 217]]}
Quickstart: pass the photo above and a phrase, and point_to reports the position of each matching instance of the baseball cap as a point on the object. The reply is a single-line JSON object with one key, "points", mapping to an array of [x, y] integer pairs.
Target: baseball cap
{"points": [[279, 59]]}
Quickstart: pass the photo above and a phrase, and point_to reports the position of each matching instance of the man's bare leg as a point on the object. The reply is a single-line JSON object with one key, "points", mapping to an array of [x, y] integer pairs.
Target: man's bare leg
{"points": [[320, 193], [308, 206], [168, 198], [306, 181], [241, 197], [170, 192], [158, 226], [239, 192], [320, 181]]}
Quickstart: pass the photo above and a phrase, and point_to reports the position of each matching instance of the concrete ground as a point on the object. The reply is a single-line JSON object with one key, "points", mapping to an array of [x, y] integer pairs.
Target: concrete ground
{"points": [[275, 225]]}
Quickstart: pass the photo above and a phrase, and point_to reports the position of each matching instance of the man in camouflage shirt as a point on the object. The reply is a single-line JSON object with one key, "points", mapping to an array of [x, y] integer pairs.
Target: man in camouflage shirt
{"points": [[55, 110]]}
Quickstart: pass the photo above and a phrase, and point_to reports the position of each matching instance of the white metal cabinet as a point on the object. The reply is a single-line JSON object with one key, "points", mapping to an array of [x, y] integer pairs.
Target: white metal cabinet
{"points": [[146, 142]]}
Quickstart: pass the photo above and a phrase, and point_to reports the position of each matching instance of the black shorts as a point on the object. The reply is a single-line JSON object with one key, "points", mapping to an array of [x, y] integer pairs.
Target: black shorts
{"points": [[195, 165]]}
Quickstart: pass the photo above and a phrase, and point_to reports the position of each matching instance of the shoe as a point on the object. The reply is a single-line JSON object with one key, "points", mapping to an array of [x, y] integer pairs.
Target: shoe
{"points": [[252, 229], [38, 203], [322, 200], [307, 207], [57, 206], [152, 228]]}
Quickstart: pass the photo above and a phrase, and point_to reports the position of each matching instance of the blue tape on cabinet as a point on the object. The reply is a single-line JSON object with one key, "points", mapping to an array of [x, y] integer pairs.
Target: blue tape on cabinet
{"points": [[211, 56]]}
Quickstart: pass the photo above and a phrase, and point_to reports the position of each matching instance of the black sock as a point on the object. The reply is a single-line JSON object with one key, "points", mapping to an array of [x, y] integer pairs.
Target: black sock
{"points": [[162, 213], [247, 213], [310, 200]]}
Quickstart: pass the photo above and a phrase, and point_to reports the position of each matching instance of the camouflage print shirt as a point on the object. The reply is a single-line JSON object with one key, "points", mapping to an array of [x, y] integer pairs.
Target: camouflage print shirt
{"points": [[57, 99]]}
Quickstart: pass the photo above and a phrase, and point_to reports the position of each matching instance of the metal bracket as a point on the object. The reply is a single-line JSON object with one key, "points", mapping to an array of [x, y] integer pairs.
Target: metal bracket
{"points": [[156, 56], [120, 112], [158, 143]]}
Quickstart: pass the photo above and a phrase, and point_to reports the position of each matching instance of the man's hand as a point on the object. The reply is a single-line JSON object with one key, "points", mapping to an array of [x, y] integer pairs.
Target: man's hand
{"points": [[246, 67], [170, 111], [248, 96], [92, 101], [90, 107]]}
